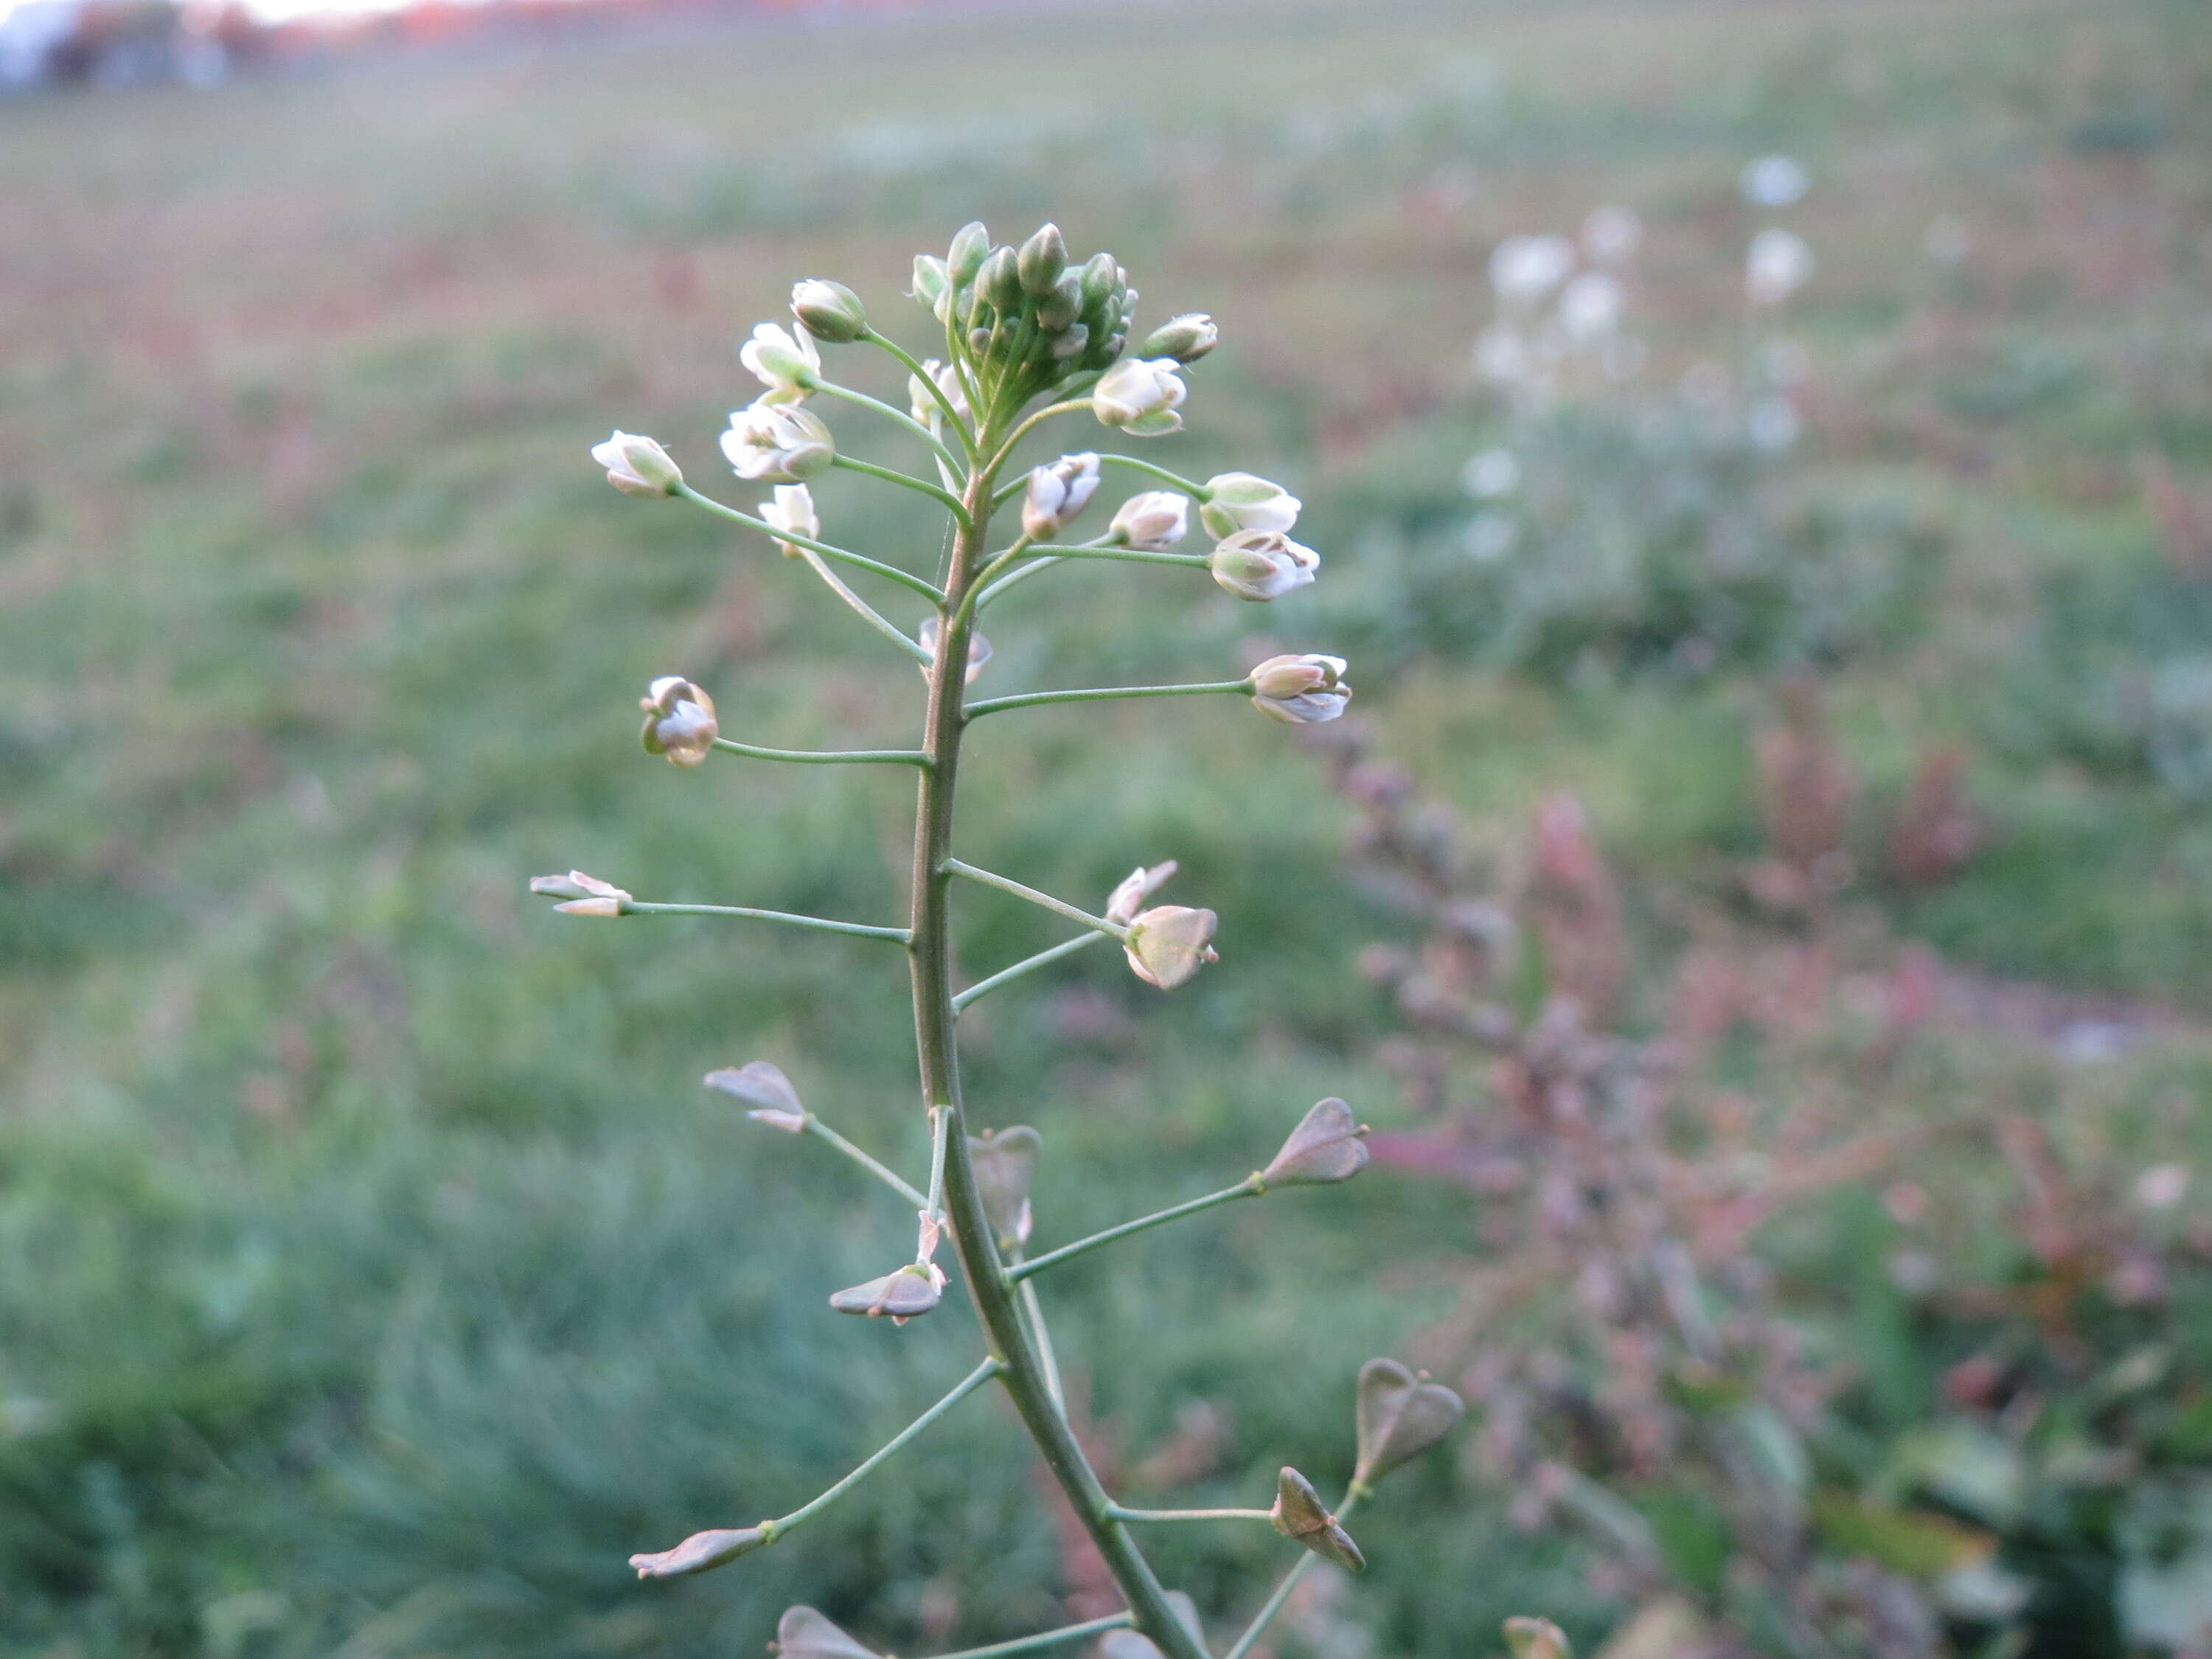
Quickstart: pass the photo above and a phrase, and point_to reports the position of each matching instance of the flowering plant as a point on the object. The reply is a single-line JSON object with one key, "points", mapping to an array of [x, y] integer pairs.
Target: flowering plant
{"points": [[1028, 338]]}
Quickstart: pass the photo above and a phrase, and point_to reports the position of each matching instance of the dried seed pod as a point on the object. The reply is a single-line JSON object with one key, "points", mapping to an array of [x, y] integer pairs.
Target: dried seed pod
{"points": [[766, 1088], [1298, 1514], [1325, 1147], [1401, 1416], [702, 1551], [1005, 1164], [907, 1293], [803, 1633]]}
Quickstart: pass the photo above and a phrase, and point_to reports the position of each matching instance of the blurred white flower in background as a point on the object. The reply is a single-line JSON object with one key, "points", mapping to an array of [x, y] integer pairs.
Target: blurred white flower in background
{"points": [[1773, 181], [1946, 241], [1501, 355], [1524, 269], [1785, 363], [1491, 475], [1775, 266], [1590, 307], [1772, 426], [1611, 235], [1623, 356], [1490, 536]]}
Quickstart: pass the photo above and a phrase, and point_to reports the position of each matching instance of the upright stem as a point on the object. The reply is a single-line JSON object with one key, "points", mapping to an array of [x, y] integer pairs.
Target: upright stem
{"points": [[930, 944]]}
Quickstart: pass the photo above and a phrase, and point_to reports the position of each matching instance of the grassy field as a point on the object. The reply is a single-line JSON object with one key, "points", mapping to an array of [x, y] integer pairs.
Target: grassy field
{"points": [[374, 1277]]}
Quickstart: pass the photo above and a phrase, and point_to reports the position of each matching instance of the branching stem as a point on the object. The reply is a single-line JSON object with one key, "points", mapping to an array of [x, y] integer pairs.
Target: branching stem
{"points": [[975, 1379], [900, 415], [1038, 699], [826, 757], [1250, 1187], [867, 612], [907, 480], [1007, 884], [843, 555], [983, 988], [959, 428], [1197, 492], [1049, 1638], [819, 924], [898, 1184], [1116, 1512]]}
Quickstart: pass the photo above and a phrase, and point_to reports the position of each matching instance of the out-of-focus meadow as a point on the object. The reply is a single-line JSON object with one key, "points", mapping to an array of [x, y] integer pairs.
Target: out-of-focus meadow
{"points": [[1763, 906]]}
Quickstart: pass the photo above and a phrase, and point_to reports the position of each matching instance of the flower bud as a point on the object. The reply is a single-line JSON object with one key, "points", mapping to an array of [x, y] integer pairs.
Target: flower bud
{"points": [[1005, 1164], [1326, 1147], [1298, 1514], [1153, 521], [1100, 277], [1044, 260], [771, 442], [803, 1633], [703, 1550], [679, 720], [1185, 339], [1168, 944], [775, 1103], [930, 280], [787, 365], [1057, 493], [792, 511], [1238, 500], [585, 895], [637, 466], [1401, 1416], [978, 648], [1301, 690], [1136, 887], [971, 246], [1262, 564], [946, 378], [998, 282], [828, 311], [1140, 396], [1536, 1638], [906, 1293], [1072, 343]]}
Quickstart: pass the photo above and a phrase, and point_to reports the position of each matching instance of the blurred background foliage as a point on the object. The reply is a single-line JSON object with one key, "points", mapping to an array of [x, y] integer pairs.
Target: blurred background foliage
{"points": [[1764, 910]]}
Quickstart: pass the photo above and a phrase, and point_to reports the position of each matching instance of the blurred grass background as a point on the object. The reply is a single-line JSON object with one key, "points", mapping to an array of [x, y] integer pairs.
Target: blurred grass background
{"points": [[376, 1274]]}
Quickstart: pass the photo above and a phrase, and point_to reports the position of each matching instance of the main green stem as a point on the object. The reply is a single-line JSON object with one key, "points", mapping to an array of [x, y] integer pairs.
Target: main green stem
{"points": [[931, 947]]}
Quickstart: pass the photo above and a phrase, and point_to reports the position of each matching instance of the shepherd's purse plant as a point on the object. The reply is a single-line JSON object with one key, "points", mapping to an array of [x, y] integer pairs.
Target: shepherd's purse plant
{"points": [[1028, 338]]}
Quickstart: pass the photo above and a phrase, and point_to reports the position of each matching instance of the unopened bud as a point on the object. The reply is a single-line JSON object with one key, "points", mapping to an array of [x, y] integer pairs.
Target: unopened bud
{"points": [[1186, 338], [1298, 1514], [978, 648], [1325, 1147], [1238, 500], [971, 246], [1301, 690], [1153, 521], [775, 1102], [1168, 944], [583, 894], [1098, 279], [1536, 1638], [930, 280], [828, 311], [999, 283], [1141, 397], [792, 511], [1262, 564], [1135, 887], [1057, 493], [637, 466], [907, 1293], [803, 1633], [777, 443], [1044, 260], [1006, 1163], [787, 364], [946, 379], [702, 1551], [679, 720], [1401, 1416]]}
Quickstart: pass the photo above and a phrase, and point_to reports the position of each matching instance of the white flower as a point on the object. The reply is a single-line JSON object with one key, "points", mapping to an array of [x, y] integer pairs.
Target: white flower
{"points": [[636, 465], [1611, 235], [1135, 887], [1491, 475], [1153, 521], [1140, 396], [927, 409], [1238, 500], [1057, 493], [1262, 564], [1775, 266], [792, 511], [979, 649], [1168, 944], [1590, 307], [587, 895], [1773, 181], [1301, 690], [785, 365], [770, 442], [679, 720], [1524, 270]]}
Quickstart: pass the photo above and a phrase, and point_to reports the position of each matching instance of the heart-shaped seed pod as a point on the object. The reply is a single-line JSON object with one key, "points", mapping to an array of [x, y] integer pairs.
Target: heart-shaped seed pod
{"points": [[803, 1633], [1401, 1416], [1326, 1146], [906, 1294], [1298, 1514], [1005, 1164], [766, 1088]]}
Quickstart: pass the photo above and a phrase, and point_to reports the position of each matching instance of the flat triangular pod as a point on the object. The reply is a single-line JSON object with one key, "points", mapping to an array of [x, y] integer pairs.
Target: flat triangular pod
{"points": [[1299, 1514], [1006, 1163], [701, 1551], [1401, 1416], [903, 1294], [764, 1086], [1326, 1146], [803, 1633]]}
